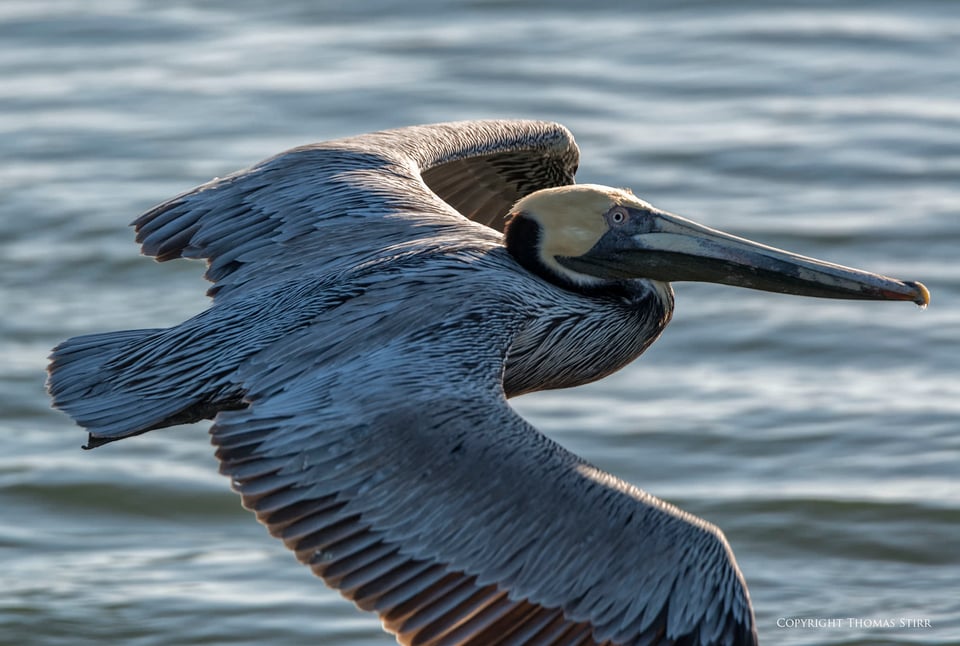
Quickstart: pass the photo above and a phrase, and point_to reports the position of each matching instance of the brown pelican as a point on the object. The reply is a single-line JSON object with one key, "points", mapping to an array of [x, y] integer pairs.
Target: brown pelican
{"points": [[376, 301]]}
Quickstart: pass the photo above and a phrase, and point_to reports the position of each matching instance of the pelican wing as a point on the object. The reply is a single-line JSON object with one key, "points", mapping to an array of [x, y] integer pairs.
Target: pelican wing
{"points": [[329, 205], [398, 472]]}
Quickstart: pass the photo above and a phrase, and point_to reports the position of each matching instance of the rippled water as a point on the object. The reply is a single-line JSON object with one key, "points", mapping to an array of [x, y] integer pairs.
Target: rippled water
{"points": [[822, 436]]}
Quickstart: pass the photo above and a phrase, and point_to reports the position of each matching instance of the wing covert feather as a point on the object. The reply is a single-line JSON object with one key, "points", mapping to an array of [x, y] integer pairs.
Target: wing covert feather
{"points": [[300, 211]]}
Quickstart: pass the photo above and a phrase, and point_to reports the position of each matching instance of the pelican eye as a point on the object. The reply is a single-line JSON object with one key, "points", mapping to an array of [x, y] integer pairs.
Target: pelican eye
{"points": [[618, 215]]}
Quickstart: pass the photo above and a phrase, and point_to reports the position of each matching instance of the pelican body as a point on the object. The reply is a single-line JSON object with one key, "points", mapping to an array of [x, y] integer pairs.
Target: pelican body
{"points": [[376, 301]]}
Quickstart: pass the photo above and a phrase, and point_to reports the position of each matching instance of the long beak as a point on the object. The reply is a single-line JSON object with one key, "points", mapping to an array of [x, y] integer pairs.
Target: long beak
{"points": [[669, 248]]}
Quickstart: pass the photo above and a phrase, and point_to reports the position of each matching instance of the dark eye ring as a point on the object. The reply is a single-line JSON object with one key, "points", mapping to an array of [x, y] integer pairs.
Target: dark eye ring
{"points": [[618, 216]]}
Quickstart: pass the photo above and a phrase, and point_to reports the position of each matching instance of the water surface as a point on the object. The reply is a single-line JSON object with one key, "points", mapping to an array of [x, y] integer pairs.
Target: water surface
{"points": [[821, 436]]}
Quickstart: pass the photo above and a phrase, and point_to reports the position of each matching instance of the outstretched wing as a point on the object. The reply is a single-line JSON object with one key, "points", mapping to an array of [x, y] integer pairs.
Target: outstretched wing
{"points": [[334, 204], [398, 472]]}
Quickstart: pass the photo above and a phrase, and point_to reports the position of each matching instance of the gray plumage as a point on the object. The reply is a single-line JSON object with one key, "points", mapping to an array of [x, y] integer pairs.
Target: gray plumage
{"points": [[358, 355]]}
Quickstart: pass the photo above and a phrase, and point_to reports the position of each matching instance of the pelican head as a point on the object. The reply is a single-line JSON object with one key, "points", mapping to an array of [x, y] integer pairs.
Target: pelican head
{"points": [[585, 236]]}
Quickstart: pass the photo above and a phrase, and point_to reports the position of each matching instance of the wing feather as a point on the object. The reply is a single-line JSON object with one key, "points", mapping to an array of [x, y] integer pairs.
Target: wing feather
{"points": [[421, 495], [299, 211]]}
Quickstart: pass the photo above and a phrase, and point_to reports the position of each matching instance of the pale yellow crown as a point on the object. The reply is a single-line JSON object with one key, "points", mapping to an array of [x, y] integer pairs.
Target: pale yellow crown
{"points": [[571, 219]]}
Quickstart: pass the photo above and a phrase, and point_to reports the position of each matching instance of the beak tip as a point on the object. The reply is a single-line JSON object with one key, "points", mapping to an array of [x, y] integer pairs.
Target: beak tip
{"points": [[922, 293]]}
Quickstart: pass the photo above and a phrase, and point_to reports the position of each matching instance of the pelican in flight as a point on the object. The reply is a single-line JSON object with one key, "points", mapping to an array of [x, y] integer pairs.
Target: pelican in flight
{"points": [[376, 302]]}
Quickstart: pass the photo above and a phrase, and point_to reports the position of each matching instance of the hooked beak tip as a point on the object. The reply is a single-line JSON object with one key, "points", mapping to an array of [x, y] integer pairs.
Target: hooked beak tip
{"points": [[921, 293]]}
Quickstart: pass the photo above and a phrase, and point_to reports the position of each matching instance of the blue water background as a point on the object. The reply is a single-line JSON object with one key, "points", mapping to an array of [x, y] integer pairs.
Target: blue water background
{"points": [[822, 436]]}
